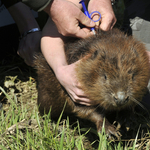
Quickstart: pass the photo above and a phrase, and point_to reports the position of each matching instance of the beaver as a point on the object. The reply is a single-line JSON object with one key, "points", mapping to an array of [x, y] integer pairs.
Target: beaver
{"points": [[114, 71]]}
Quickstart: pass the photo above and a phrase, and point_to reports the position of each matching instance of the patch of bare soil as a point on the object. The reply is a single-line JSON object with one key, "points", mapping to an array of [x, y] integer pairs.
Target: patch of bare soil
{"points": [[24, 88]]}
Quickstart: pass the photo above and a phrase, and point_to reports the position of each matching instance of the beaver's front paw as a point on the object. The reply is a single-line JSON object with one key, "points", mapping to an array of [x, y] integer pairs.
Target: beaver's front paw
{"points": [[110, 130]]}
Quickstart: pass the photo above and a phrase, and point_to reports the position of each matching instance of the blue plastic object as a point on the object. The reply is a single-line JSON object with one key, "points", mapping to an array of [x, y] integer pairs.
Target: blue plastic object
{"points": [[89, 15]]}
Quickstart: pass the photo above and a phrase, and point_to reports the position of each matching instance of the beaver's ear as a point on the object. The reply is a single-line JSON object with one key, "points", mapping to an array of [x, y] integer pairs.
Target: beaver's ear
{"points": [[133, 49], [94, 55]]}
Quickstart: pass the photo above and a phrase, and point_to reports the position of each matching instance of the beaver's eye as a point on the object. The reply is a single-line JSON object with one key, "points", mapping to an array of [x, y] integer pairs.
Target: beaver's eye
{"points": [[105, 77], [133, 75]]}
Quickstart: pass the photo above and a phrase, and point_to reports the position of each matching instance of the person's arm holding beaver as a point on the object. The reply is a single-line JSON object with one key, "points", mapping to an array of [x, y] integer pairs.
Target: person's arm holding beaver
{"points": [[52, 47]]}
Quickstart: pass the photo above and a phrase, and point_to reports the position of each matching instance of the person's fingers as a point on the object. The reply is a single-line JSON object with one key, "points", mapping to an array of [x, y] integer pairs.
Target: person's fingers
{"points": [[108, 23], [82, 100], [84, 33], [148, 52], [108, 18], [78, 96], [83, 19]]}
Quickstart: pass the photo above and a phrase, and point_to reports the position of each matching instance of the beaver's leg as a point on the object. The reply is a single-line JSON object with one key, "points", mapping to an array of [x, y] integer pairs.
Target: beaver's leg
{"points": [[97, 118], [51, 95], [54, 100]]}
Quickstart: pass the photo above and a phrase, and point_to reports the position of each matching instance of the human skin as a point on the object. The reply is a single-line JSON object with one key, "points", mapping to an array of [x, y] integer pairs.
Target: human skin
{"points": [[66, 16], [25, 21], [52, 47], [52, 44], [108, 18], [148, 52]]}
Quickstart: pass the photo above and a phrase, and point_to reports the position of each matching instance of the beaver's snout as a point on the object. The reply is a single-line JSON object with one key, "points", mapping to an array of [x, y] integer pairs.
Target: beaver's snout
{"points": [[120, 98]]}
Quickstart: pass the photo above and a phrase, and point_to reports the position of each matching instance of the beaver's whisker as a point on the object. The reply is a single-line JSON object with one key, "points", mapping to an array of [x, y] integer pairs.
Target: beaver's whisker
{"points": [[98, 106], [102, 109], [138, 103], [142, 106]]}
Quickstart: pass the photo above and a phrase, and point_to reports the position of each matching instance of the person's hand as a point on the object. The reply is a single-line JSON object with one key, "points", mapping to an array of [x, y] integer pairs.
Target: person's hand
{"points": [[67, 77], [67, 17], [148, 52], [108, 18], [28, 46]]}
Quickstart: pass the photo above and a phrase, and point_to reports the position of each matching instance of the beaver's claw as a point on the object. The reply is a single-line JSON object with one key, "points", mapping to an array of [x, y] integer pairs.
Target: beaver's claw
{"points": [[111, 131]]}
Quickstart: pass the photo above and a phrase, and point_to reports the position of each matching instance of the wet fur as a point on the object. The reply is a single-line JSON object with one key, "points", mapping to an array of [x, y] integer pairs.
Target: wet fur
{"points": [[111, 62]]}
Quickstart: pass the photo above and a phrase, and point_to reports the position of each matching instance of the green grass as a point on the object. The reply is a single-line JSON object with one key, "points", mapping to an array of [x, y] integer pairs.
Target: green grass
{"points": [[24, 129]]}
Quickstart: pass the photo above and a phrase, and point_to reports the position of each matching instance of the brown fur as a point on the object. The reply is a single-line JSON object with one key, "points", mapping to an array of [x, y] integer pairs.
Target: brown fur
{"points": [[114, 71]]}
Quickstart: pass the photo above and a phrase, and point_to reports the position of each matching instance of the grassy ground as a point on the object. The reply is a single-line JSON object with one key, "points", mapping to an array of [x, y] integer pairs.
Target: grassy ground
{"points": [[22, 128]]}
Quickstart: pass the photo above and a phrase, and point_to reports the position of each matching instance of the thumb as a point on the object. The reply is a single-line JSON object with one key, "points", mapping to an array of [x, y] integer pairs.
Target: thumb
{"points": [[83, 19], [108, 22]]}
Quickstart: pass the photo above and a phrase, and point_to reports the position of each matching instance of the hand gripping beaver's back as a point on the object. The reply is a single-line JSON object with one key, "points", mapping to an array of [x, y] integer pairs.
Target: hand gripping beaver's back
{"points": [[114, 71]]}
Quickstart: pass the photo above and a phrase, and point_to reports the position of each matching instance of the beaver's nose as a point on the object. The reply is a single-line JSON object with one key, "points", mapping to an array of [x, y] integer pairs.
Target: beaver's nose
{"points": [[121, 98]]}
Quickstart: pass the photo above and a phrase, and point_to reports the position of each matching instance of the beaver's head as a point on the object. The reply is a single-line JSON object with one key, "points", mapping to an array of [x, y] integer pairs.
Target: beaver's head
{"points": [[115, 72]]}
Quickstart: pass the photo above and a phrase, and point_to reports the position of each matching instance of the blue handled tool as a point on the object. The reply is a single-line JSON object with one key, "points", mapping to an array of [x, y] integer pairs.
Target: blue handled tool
{"points": [[89, 15]]}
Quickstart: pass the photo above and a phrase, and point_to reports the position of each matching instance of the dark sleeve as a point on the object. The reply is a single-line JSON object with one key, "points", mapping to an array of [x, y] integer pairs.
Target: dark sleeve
{"points": [[37, 5], [9, 3]]}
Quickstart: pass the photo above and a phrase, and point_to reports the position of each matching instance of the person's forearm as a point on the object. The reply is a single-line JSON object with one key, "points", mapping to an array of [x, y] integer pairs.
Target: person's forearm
{"points": [[54, 56], [23, 17], [52, 47]]}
